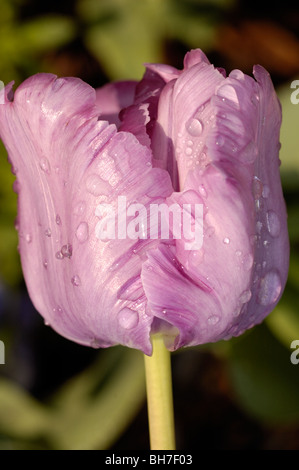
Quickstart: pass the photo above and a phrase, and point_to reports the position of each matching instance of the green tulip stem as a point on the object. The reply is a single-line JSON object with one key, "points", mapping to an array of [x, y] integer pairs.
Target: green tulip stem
{"points": [[159, 396]]}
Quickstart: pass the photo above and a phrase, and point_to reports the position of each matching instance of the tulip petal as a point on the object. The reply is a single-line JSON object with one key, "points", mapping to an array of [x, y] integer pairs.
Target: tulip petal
{"points": [[238, 275], [69, 166], [113, 97]]}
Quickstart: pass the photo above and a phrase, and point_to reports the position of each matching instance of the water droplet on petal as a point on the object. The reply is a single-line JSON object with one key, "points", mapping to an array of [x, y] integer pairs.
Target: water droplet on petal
{"points": [[273, 223], [16, 187], [188, 151], [226, 241], [219, 141], [266, 191], [247, 261], [257, 187], [76, 281], [202, 190], [79, 208], [28, 237], [59, 255], [48, 232], [213, 320], [249, 153], [96, 186], [245, 296], [259, 226], [209, 232], [194, 127], [45, 264], [82, 232], [45, 165], [67, 251], [128, 318], [269, 288], [58, 220]]}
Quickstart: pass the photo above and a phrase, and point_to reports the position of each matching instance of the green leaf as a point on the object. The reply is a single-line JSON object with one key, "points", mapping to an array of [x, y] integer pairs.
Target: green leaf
{"points": [[46, 33], [265, 381], [21, 416], [124, 35], [93, 409]]}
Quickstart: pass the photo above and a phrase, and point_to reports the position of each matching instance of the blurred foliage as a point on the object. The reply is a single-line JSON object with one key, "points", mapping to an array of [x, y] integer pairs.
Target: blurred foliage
{"points": [[107, 40], [88, 412]]}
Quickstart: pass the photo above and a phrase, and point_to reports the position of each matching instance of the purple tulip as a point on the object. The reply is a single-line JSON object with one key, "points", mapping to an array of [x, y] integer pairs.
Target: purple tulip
{"points": [[189, 138]]}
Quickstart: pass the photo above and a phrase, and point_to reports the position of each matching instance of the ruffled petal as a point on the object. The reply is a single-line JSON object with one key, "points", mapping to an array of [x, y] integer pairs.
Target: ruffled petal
{"points": [[223, 135], [113, 97], [71, 167]]}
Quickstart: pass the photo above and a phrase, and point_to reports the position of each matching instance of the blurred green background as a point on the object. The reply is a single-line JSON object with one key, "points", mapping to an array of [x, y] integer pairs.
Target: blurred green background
{"points": [[241, 394]]}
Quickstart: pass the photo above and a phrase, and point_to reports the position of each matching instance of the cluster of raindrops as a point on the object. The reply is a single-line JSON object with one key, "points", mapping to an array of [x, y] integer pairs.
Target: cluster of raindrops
{"points": [[66, 251], [191, 140], [268, 228]]}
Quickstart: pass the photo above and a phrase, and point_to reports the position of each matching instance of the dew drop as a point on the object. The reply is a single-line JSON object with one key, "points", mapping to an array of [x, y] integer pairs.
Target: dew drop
{"points": [[82, 232], [219, 141], [249, 152], [128, 318], [28, 237], [14, 170], [67, 251], [259, 226], [266, 191], [76, 281], [96, 186], [48, 232], [269, 288], [16, 187], [202, 191], [247, 261], [194, 127], [59, 255], [213, 320], [209, 232], [188, 151], [45, 264], [273, 223], [45, 165], [245, 296], [58, 220], [257, 187], [79, 208], [226, 241]]}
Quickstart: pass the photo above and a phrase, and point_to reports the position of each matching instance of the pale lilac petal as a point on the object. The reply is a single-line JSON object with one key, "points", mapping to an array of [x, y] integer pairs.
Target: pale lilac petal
{"points": [[184, 114], [229, 163], [113, 97], [68, 162]]}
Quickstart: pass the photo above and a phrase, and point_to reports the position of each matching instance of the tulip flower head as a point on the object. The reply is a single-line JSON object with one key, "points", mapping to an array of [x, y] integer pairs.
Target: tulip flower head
{"points": [[149, 206]]}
